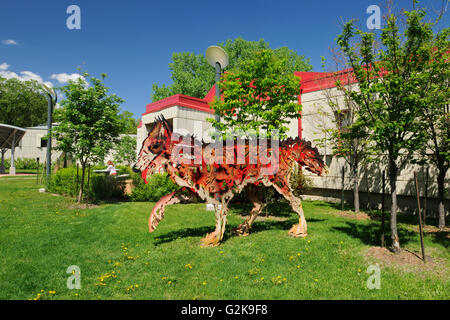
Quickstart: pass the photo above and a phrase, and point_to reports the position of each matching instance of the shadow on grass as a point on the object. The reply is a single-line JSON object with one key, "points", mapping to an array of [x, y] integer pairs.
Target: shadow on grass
{"points": [[280, 209], [442, 238], [258, 226], [183, 233], [370, 234], [332, 205]]}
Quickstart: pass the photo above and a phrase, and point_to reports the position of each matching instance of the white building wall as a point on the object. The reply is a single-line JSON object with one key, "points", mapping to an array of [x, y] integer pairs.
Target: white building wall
{"points": [[315, 107], [30, 146]]}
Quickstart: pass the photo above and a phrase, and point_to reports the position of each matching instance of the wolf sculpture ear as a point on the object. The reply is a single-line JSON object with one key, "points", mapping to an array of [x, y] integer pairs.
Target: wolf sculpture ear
{"points": [[167, 126], [155, 130]]}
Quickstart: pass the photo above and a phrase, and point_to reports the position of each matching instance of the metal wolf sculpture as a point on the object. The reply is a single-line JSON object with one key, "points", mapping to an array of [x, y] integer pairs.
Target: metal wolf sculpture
{"points": [[217, 182]]}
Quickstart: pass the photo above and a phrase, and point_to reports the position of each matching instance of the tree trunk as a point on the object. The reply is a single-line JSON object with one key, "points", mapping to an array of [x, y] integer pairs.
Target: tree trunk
{"points": [[83, 169], [393, 171], [441, 188], [356, 190]]}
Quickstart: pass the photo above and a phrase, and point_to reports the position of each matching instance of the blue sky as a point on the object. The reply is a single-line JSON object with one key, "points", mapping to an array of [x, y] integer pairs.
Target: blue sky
{"points": [[132, 41]]}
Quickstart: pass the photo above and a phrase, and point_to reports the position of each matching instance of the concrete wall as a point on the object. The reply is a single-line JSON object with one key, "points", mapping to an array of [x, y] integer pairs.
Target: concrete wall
{"points": [[30, 146], [183, 121]]}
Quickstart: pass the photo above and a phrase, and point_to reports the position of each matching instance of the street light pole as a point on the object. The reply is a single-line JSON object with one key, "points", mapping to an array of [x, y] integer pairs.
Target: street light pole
{"points": [[52, 99], [218, 72], [217, 58], [49, 134]]}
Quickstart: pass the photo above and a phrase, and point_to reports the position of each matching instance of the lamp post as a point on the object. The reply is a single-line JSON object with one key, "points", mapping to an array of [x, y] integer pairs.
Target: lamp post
{"points": [[217, 58], [52, 99]]}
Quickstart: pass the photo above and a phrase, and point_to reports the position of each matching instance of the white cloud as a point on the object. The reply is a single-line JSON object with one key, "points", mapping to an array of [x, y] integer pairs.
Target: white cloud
{"points": [[24, 75], [28, 75], [65, 77], [8, 74], [9, 42], [4, 66]]}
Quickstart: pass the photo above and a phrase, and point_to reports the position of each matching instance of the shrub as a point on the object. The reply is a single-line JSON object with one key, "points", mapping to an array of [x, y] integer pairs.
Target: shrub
{"points": [[300, 183], [100, 186], [158, 185], [65, 182], [106, 187], [23, 163]]}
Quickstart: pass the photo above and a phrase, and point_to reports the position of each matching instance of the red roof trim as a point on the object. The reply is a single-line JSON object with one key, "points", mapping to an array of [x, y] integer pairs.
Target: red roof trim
{"points": [[210, 95], [178, 100], [316, 81]]}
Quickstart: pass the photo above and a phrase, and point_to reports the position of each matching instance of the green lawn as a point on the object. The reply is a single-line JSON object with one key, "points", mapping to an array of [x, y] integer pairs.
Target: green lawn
{"points": [[42, 234]]}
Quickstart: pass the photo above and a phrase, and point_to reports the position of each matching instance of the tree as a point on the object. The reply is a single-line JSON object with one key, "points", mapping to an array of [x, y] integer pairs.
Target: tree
{"points": [[390, 77], [436, 113], [22, 103], [346, 135], [89, 121], [193, 76], [260, 94], [125, 150], [129, 123]]}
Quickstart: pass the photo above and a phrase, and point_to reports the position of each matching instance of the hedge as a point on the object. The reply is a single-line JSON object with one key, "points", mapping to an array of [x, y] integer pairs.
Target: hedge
{"points": [[100, 186], [158, 185]]}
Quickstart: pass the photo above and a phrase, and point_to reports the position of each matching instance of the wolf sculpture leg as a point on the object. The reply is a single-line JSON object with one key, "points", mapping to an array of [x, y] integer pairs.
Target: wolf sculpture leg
{"points": [[300, 229], [244, 228], [213, 239], [158, 210]]}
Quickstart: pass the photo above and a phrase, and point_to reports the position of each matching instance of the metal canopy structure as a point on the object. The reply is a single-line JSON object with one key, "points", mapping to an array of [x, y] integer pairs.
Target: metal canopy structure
{"points": [[10, 137]]}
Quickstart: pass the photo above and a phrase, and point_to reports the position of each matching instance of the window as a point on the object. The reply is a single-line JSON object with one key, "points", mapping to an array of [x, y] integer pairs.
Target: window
{"points": [[343, 121], [43, 142]]}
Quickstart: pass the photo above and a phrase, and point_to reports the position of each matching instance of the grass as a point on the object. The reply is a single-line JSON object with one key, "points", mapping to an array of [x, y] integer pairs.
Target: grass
{"points": [[43, 234]]}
